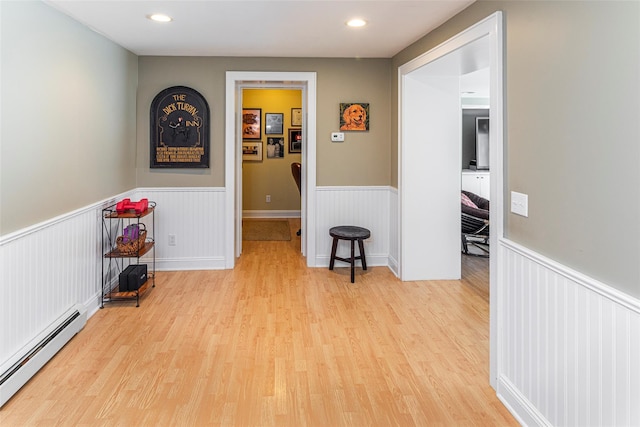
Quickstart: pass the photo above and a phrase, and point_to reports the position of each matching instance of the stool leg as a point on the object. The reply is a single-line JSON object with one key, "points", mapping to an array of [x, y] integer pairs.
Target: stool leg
{"points": [[362, 257], [333, 253], [353, 261]]}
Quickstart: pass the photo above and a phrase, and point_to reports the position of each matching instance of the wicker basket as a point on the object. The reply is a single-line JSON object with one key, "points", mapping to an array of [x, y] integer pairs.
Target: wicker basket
{"points": [[128, 246]]}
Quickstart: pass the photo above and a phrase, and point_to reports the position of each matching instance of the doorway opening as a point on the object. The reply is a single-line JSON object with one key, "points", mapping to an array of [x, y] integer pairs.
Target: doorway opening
{"points": [[236, 82], [271, 141], [429, 155]]}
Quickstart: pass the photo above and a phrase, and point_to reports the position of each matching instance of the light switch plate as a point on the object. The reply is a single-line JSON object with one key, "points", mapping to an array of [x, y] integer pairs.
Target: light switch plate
{"points": [[520, 203], [337, 136]]}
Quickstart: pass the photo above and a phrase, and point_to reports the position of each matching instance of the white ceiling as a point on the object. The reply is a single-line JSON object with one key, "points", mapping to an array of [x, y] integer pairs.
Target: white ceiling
{"points": [[273, 28]]}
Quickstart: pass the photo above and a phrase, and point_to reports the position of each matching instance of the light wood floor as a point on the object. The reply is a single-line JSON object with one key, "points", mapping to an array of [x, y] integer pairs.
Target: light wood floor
{"points": [[272, 343]]}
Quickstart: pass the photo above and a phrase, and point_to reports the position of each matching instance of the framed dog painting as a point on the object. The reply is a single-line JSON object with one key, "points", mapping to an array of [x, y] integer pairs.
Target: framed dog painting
{"points": [[354, 116]]}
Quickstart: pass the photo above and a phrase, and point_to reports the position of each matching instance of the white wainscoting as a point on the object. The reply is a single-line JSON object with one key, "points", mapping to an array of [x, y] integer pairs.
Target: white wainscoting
{"points": [[569, 346], [362, 206], [195, 215], [45, 270]]}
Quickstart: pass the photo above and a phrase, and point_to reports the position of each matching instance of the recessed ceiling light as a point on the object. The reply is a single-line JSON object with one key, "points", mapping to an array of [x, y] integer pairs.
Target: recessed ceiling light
{"points": [[357, 22], [158, 17]]}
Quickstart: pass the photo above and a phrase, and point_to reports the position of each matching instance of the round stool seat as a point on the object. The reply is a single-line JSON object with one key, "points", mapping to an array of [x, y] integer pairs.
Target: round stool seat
{"points": [[353, 234], [349, 232]]}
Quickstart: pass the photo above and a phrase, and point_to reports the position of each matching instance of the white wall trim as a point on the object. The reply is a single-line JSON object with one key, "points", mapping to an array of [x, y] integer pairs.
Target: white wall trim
{"points": [[364, 206], [521, 409], [235, 80], [492, 28], [394, 263], [195, 216], [18, 234], [583, 280], [568, 347]]}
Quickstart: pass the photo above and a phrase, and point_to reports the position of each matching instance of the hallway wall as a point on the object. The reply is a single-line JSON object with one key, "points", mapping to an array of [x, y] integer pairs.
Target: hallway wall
{"points": [[68, 115]]}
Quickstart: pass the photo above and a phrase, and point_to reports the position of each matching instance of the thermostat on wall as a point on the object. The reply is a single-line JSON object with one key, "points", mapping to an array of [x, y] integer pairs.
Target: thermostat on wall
{"points": [[337, 136]]}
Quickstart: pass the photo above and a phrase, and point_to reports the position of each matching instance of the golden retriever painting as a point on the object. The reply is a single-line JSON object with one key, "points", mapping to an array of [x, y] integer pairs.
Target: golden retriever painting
{"points": [[354, 116]]}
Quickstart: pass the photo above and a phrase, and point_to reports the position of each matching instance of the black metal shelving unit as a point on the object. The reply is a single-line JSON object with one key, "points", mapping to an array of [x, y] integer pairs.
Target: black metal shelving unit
{"points": [[114, 261]]}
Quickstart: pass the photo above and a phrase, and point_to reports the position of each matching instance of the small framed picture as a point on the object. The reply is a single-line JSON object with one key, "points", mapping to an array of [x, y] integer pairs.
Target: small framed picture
{"points": [[296, 117], [275, 148], [274, 123], [252, 151], [295, 140], [354, 116], [251, 126]]}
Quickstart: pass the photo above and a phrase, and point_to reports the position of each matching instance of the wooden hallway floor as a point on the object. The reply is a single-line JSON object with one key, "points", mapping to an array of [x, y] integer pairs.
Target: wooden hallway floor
{"points": [[274, 343]]}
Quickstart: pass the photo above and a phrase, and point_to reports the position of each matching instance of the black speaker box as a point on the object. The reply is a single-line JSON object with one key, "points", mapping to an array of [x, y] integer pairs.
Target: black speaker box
{"points": [[132, 277]]}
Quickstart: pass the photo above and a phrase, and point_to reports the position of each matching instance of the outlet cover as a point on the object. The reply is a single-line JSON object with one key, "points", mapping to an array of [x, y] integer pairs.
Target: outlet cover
{"points": [[172, 239]]}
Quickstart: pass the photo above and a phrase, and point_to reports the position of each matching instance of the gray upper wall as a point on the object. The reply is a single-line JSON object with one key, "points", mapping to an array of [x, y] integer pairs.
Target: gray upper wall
{"points": [[68, 116], [75, 115], [572, 129], [363, 159]]}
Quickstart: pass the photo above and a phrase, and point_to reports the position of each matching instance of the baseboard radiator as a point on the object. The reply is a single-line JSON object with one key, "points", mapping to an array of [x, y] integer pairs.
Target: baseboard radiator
{"points": [[48, 343]]}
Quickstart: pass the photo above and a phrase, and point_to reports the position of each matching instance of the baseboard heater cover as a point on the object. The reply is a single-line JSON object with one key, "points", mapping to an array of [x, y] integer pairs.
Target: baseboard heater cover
{"points": [[55, 337]]}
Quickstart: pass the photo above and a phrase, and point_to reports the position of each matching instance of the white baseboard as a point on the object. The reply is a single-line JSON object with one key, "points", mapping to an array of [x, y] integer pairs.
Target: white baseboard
{"points": [[393, 266], [520, 407]]}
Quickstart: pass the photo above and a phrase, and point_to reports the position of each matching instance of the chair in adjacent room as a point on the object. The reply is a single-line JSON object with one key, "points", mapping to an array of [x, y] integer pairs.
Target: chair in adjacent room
{"points": [[475, 223], [296, 169]]}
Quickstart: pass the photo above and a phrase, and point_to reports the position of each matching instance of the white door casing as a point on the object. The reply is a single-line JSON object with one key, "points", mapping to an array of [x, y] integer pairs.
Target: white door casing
{"points": [[475, 48], [235, 82]]}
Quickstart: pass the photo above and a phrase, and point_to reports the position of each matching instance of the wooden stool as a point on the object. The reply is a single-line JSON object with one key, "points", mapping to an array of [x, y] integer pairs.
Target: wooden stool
{"points": [[351, 233]]}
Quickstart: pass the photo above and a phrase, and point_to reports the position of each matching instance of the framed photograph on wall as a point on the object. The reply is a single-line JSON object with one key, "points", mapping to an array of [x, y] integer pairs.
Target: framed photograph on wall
{"points": [[275, 148], [354, 116], [252, 151], [251, 124], [274, 123], [296, 117], [295, 140]]}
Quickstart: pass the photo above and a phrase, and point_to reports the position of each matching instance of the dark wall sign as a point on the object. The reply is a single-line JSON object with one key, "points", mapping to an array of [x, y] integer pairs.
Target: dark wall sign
{"points": [[179, 129]]}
